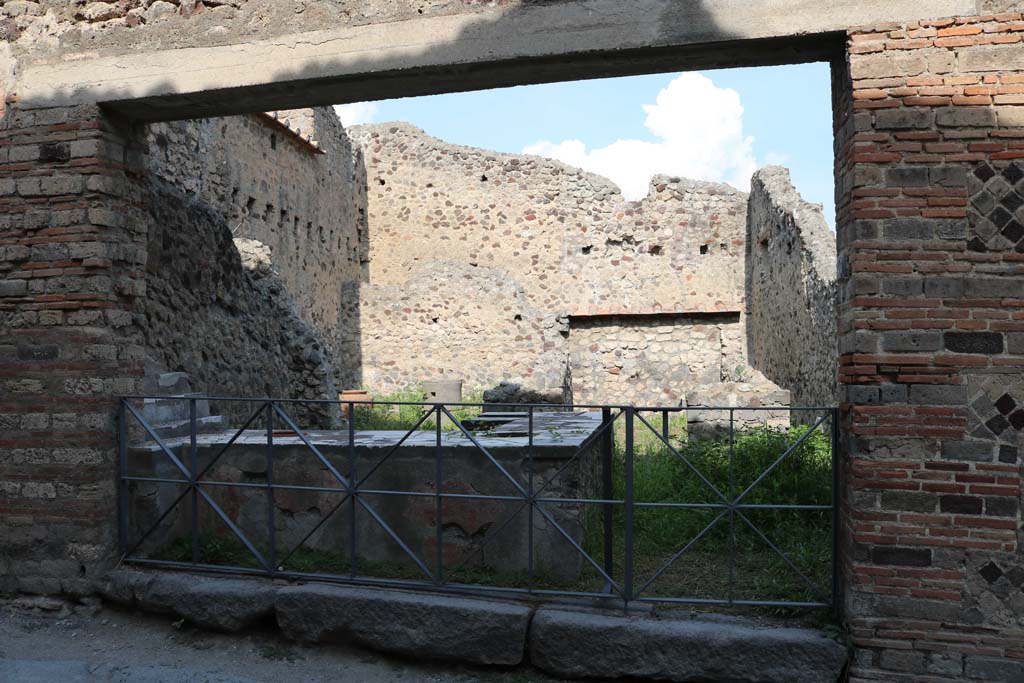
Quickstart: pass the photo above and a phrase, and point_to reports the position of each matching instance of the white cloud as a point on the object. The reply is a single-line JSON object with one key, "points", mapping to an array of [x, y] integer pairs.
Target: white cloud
{"points": [[356, 113], [699, 135]]}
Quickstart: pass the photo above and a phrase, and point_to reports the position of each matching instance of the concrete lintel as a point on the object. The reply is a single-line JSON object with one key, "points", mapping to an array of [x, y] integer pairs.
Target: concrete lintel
{"points": [[490, 48]]}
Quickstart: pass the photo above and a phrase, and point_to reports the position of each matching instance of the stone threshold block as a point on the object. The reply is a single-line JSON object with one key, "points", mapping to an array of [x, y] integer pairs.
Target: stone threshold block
{"points": [[569, 641], [579, 644], [413, 624], [422, 625]]}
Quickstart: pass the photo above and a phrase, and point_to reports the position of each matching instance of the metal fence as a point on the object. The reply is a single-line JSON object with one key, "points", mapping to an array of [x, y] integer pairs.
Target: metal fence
{"points": [[606, 540]]}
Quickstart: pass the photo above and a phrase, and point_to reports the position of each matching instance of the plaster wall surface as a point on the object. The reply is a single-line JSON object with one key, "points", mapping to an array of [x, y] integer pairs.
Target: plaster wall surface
{"points": [[487, 267]]}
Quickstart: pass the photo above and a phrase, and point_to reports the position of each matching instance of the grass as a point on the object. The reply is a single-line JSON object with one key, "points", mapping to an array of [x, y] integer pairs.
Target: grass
{"points": [[383, 417], [754, 571]]}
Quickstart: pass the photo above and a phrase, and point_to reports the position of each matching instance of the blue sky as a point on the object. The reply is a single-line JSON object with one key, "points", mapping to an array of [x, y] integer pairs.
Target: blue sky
{"points": [[715, 125]]}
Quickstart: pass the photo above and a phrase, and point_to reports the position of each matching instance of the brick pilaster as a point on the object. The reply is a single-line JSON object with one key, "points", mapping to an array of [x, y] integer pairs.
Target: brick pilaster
{"points": [[70, 263], [930, 141]]}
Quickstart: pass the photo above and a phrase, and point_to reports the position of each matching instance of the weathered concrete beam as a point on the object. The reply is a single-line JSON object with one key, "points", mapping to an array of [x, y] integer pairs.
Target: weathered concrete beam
{"points": [[498, 47]]}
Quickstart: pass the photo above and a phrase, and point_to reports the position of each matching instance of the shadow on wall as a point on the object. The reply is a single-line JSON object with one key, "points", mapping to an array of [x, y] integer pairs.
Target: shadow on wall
{"points": [[249, 316]]}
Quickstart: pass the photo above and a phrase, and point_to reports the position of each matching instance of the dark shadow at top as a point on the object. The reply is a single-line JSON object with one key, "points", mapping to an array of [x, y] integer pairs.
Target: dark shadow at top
{"points": [[651, 36]]}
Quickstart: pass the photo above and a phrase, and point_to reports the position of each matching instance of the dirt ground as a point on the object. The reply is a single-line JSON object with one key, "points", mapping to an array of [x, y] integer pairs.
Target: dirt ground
{"points": [[43, 640]]}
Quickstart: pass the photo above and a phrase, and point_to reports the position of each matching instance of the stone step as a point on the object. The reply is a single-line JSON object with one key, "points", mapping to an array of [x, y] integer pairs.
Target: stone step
{"points": [[204, 425], [173, 408]]}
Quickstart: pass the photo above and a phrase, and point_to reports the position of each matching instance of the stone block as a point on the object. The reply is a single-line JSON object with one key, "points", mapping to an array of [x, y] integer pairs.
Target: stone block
{"points": [[991, 58], [948, 176], [945, 663], [22, 153], [911, 340], [13, 288], [938, 394], [125, 587], [905, 119], [902, 557], [909, 501], [1000, 506], [28, 187], [924, 229], [966, 117], [973, 451], [218, 604], [894, 393], [1015, 342], [1010, 116], [579, 644], [903, 660], [909, 176], [974, 342], [961, 505], [863, 395], [944, 287], [58, 185], [994, 668], [406, 623], [903, 286], [993, 288]]}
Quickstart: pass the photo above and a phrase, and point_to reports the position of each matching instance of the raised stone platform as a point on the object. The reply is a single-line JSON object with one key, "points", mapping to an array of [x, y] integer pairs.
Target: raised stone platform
{"points": [[564, 641], [397, 473]]}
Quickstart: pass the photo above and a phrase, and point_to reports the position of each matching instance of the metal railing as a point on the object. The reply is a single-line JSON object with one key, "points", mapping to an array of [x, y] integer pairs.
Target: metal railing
{"points": [[609, 555]]}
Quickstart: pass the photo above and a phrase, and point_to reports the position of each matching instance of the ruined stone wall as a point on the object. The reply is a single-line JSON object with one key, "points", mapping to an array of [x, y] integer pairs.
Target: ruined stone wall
{"points": [[791, 290], [640, 359], [215, 308], [483, 266], [304, 202]]}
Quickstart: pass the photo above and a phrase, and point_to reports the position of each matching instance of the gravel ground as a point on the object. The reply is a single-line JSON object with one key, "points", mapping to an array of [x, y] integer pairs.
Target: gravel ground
{"points": [[43, 640]]}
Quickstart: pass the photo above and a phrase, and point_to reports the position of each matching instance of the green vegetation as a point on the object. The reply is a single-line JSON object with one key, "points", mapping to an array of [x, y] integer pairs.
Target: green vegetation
{"points": [[719, 558], [382, 416], [804, 477]]}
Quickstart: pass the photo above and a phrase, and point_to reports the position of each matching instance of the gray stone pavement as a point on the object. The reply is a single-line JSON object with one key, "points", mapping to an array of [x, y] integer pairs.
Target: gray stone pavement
{"points": [[48, 641]]}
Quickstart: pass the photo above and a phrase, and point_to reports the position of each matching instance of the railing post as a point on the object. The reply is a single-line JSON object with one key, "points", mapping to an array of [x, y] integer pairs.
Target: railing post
{"points": [[122, 489], [193, 477], [608, 490], [271, 507], [353, 484], [836, 488], [438, 500], [664, 425], [628, 503], [732, 503], [530, 502]]}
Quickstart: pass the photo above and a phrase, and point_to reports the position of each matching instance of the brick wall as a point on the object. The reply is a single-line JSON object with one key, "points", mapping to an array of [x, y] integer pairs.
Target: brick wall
{"points": [[71, 255], [930, 157]]}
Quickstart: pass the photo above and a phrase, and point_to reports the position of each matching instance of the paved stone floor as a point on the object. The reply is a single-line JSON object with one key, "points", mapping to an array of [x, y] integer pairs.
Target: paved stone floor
{"points": [[49, 641]]}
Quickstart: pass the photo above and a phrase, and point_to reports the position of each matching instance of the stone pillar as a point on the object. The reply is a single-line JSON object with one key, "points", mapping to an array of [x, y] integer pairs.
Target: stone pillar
{"points": [[71, 256], [930, 169]]}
